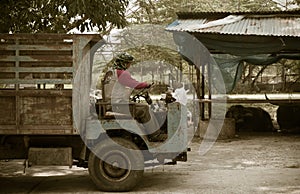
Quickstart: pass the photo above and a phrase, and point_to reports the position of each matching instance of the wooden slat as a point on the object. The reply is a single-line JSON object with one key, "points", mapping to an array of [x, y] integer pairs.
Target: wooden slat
{"points": [[36, 92], [46, 127], [44, 36], [43, 132], [35, 131], [37, 58], [41, 64], [41, 53], [8, 127], [8, 110], [35, 81], [50, 37], [37, 69], [67, 47]]}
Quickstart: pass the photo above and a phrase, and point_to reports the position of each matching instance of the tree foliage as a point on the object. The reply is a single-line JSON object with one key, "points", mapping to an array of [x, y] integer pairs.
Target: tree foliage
{"points": [[60, 16]]}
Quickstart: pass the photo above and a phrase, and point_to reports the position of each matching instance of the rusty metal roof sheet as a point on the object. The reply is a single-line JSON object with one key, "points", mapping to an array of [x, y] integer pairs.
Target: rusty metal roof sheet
{"points": [[283, 23]]}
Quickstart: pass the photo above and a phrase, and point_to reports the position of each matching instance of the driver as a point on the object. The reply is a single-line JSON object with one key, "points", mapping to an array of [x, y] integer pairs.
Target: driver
{"points": [[121, 94]]}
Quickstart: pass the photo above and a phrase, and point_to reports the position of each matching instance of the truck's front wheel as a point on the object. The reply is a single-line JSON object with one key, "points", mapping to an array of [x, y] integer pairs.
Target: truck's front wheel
{"points": [[116, 164]]}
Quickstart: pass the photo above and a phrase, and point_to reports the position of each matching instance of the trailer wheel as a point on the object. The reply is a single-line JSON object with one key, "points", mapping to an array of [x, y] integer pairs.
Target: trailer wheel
{"points": [[120, 167]]}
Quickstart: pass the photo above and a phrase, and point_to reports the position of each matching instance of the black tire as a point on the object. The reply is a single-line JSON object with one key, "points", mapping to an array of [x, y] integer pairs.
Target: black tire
{"points": [[110, 175]]}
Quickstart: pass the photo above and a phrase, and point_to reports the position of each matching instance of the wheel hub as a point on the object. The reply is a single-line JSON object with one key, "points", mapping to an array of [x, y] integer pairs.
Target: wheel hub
{"points": [[116, 166]]}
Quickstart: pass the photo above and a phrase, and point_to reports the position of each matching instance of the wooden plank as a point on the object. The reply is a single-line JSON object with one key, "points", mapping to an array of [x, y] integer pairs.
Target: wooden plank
{"points": [[44, 64], [37, 92], [37, 69], [7, 110], [42, 53], [36, 58], [45, 36], [50, 36], [37, 131], [45, 111], [35, 81], [43, 132], [82, 83], [60, 47], [46, 128], [8, 129]]}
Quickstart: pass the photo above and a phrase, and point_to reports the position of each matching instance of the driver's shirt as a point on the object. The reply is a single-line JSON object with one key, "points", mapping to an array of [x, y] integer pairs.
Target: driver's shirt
{"points": [[125, 79], [124, 85]]}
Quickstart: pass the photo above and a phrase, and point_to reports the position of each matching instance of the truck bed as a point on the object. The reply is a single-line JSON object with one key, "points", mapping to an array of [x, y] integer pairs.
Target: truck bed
{"points": [[37, 73]]}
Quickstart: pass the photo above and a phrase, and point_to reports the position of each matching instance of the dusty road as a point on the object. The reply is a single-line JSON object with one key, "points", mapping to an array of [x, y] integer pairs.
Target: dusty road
{"points": [[247, 164]]}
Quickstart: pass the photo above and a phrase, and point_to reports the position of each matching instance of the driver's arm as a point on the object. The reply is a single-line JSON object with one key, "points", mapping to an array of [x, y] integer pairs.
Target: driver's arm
{"points": [[125, 79]]}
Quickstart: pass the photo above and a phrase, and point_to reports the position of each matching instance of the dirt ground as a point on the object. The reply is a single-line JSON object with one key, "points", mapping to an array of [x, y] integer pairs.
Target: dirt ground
{"points": [[249, 163]]}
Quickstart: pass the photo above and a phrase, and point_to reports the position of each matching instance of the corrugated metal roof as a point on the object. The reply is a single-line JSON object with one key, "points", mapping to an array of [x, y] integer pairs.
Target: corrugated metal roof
{"points": [[260, 24], [197, 15]]}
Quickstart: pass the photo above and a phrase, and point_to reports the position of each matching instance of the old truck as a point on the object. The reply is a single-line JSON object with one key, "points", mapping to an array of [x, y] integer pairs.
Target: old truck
{"points": [[47, 118]]}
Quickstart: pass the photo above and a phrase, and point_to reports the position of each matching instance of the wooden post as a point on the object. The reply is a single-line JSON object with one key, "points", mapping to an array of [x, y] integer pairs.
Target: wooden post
{"points": [[202, 107], [209, 88]]}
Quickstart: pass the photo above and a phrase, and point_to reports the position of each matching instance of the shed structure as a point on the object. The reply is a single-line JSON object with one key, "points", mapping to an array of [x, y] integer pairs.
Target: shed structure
{"points": [[243, 33], [260, 38]]}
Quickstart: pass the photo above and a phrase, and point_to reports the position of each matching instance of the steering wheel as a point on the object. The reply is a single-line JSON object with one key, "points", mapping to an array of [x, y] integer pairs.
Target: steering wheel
{"points": [[144, 93]]}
